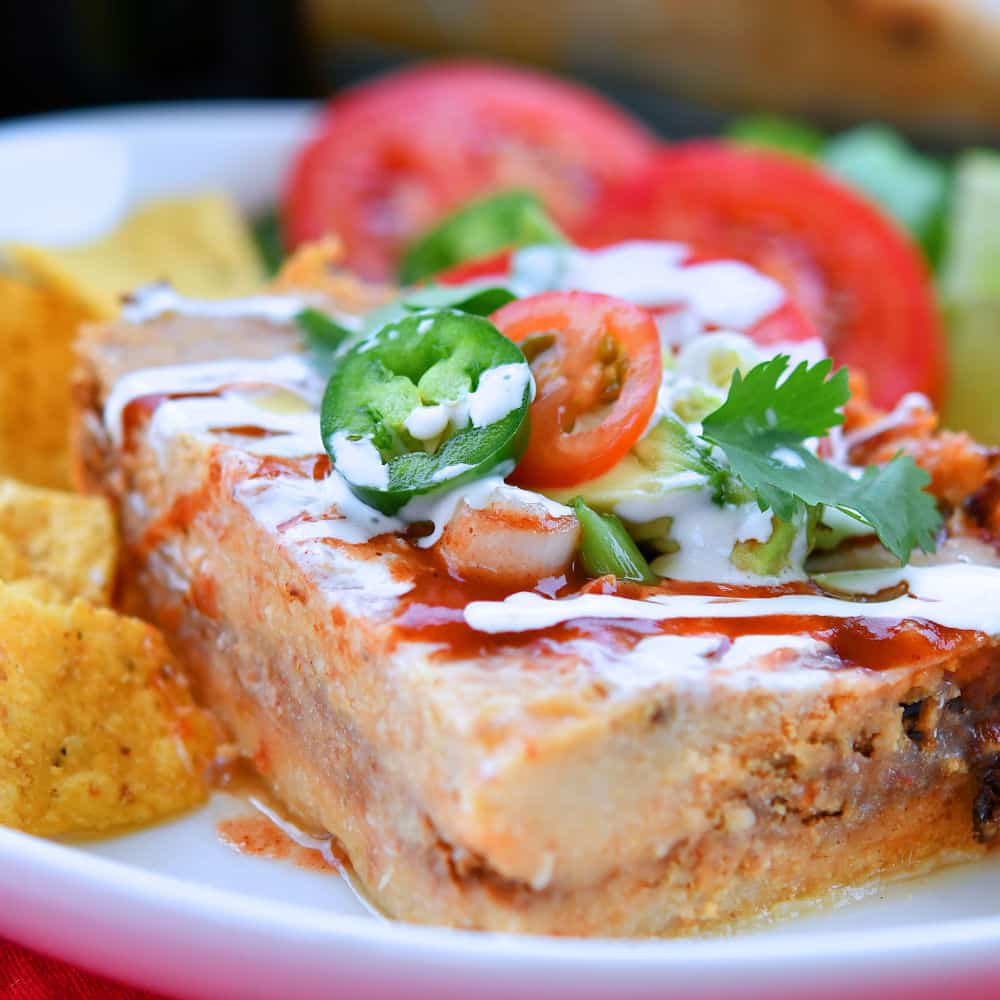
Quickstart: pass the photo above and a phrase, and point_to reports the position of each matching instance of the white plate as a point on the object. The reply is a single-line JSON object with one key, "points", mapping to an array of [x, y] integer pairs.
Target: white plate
{"points": [[171, 909]]}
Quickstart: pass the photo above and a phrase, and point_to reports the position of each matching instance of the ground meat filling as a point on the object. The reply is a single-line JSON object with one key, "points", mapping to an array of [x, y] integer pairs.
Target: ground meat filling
{"points": [[986, 807], [947, 722]]}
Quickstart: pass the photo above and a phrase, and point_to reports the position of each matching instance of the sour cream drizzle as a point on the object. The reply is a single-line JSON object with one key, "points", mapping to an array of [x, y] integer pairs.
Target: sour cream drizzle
{"points": [[161, 300], [958, 595], [286, 371], [651, 273]]}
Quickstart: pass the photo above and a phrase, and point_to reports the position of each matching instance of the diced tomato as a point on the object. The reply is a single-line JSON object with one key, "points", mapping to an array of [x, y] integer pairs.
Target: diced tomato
{"points": [[856, 276], [597, 368], [394, 155]]}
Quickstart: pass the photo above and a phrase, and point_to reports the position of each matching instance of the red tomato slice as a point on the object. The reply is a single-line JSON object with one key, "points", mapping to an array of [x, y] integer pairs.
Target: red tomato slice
{"points": [[394, 155], [496, 265], [597, 368], [857, 277], [786, 325]]}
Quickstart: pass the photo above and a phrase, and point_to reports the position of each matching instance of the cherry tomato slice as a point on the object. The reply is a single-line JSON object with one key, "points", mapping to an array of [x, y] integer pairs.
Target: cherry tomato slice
{"points": [[393, 156], [858, 278], [597, 367]]}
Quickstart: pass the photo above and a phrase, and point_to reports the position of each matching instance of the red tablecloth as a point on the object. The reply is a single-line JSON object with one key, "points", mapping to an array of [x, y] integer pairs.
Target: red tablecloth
{"points": [[26, 975]]}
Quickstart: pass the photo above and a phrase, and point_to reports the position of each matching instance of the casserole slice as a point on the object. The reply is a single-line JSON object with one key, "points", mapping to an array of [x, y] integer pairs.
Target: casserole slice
{"points": [[685, 759]]}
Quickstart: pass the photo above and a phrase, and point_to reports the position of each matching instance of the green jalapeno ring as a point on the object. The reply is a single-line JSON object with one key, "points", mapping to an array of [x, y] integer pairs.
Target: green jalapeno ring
{"points": [[479, 228], [426, 358]]}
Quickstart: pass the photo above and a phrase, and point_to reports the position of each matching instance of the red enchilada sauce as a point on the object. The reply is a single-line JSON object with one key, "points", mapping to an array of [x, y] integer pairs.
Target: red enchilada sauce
{"points": [[431, 611]]}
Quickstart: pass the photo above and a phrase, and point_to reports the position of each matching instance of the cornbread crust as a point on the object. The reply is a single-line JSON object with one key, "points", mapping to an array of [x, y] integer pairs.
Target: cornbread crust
{"points": [[510, 793]]}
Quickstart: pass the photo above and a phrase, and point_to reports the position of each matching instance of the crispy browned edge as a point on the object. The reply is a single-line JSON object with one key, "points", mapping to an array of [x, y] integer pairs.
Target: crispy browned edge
{"points": [[841, 787]]}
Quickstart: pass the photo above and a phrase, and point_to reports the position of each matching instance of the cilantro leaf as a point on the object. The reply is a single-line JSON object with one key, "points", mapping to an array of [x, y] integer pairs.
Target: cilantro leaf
{"points": [[806, 404], [762, 427]]}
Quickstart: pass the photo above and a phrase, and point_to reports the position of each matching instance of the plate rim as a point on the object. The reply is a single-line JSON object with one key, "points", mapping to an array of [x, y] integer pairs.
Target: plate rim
{"points": [[235, 909], [112, 114]]}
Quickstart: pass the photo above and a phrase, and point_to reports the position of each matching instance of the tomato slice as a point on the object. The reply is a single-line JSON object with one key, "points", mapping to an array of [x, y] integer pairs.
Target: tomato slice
{"points": [[858, 278], [597, 367], [394, 155]]}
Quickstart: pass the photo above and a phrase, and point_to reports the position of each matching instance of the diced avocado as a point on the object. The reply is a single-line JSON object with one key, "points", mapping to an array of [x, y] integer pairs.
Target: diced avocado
{"points": [[670, 448], [766, 558], [695, 403], [973, 364], [653, 536], [971, 269], [668, 458]]}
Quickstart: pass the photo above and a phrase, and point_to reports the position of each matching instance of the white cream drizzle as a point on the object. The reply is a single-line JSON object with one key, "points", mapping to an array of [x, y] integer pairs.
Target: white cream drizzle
{"points": [[757, 525], [359, 461], [706, 532], [956, 595], [158, 300], [774, 661], [450, 471], [500, 391], [426, 423], [328, 507], [651, 273], [289, 434], [287, 371]]}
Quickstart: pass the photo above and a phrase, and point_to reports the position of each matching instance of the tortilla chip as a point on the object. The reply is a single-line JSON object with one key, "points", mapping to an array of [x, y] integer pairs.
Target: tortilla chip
{"points": [[97, 727], [37, 328], [70, 541], [13, 564], [37, 588], [313, 267], [200, 244]]}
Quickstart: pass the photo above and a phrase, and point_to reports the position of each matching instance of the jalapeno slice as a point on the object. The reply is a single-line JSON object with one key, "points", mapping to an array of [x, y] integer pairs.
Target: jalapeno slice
{"points": [[425, 403], [323, 337], [508, 219]]}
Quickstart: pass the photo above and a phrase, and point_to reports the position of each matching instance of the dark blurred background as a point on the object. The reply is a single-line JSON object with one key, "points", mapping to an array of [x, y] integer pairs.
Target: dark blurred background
{"points": [[66, 54], [930, 66], [73, 53]]}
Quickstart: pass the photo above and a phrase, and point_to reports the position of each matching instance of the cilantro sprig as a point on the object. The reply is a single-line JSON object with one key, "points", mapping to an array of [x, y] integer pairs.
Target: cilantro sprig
{"points": [[762, 428]]}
